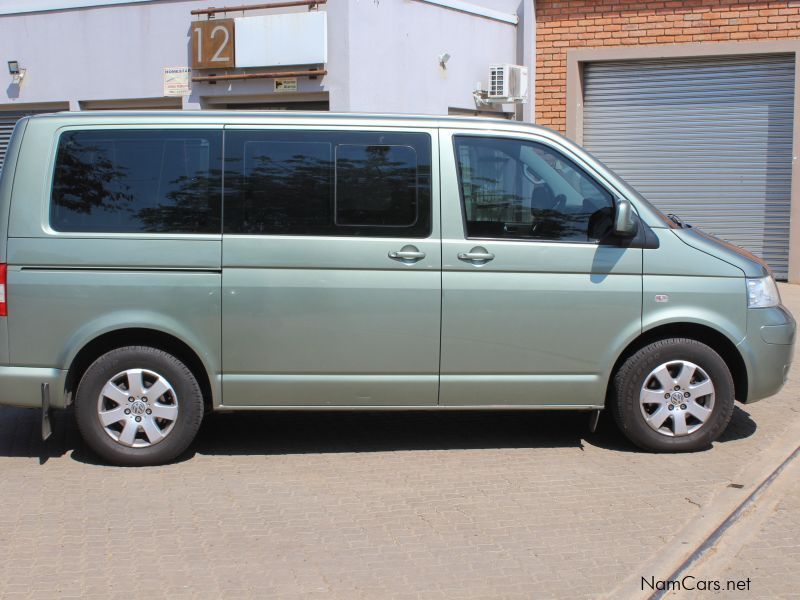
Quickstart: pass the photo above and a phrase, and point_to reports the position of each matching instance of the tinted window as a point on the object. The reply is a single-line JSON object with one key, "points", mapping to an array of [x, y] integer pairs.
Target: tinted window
{"points": [[376, 185], [327, 183], [524, 190], [134, 181]]}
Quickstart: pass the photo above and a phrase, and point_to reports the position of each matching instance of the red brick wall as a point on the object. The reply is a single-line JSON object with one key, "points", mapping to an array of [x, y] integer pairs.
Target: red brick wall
{"points": [[561, 25]]}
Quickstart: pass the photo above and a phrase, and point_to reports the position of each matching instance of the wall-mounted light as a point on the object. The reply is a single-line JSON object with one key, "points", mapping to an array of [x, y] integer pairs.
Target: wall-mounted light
{"points": [[443, 58], [15, 71]]}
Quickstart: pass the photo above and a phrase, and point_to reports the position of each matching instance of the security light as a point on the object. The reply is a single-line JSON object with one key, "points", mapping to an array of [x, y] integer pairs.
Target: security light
{"points": [[443, 58], [15, 71]]}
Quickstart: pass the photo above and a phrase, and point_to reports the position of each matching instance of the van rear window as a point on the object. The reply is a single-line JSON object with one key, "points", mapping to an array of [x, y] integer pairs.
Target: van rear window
{"points": [[137, 181]]}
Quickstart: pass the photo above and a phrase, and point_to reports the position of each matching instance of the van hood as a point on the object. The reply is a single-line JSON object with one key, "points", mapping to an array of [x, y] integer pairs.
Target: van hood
{"points": [[752, 265]]}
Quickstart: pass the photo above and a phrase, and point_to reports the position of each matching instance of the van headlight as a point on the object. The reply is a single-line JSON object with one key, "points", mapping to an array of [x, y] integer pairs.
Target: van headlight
{"points": [[762, 293]]}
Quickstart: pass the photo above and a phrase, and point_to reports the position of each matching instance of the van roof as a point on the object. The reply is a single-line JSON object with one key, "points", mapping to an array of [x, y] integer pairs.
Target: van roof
{"points": [[250, 116]]}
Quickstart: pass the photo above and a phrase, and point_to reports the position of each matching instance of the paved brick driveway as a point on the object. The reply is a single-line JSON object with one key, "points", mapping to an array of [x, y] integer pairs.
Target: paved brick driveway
{"points": [[369, 505]]}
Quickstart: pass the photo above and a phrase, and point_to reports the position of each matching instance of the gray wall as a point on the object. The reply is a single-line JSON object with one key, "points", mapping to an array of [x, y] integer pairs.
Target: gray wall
{"points": [[383, 55], [394, 50]]}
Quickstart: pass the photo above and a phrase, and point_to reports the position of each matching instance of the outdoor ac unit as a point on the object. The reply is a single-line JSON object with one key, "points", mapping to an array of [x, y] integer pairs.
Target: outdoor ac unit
{"points": [[508, 83]]}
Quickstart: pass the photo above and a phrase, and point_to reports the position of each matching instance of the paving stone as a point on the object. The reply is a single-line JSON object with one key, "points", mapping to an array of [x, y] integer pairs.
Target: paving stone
{"points": [[374, 505]]}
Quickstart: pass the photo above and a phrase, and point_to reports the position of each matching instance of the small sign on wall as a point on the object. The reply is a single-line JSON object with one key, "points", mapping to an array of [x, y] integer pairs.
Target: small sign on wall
{"points": [[286, 85], [177, 81], [213, 44]]}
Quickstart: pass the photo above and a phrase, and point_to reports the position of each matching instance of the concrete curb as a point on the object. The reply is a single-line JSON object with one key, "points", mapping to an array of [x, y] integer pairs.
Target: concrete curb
{"points": [[726, 503], [754, 514]]}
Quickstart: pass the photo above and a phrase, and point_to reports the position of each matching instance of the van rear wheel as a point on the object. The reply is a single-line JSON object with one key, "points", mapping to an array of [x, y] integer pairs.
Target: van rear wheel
{"points": [[674, 395], [138, 406]]}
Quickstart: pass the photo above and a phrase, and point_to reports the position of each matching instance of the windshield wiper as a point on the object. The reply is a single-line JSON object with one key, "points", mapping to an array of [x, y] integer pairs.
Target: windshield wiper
{"points": [[678, 221]]}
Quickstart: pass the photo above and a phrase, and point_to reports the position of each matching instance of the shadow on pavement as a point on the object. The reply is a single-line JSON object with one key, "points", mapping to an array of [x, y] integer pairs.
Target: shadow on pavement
{"points": [[303, 432]]}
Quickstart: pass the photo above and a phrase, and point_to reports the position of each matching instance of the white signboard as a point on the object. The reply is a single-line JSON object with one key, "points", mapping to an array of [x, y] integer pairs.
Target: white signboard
{"points": [[177, 81], [277, 40]]}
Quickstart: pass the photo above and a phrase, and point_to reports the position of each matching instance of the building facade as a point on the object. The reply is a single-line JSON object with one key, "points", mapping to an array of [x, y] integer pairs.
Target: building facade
{"points": [[693, 102], [388, 55]]}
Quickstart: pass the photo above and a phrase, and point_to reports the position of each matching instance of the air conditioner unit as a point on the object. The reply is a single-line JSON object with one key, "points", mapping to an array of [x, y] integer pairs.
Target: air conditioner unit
{"points": [[507, 83]]}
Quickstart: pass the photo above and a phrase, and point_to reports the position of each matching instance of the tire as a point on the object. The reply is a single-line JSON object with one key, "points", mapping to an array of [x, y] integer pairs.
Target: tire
{"points": [[680, 380], [156, 397]]}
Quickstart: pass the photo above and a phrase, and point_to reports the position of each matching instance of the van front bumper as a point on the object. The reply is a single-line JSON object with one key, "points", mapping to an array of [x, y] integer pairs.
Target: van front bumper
{"points": [[767, 350], [22, 386]]}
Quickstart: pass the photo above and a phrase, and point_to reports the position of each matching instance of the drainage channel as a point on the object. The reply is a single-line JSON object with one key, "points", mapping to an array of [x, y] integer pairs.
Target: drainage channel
{"points": [[714, 537]]}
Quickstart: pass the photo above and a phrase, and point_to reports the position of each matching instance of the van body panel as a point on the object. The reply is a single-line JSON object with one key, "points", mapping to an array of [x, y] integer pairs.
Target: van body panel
{"points": [[767, 350], [541, 323], [320, 321], [328, 320], [747, 262], [355, 333], [33, 177], [7, 174], [22, 386], [676, 258], [683, 284], [68, 288], [93, 302], [123, 253], [4, 360], [716, 302]]}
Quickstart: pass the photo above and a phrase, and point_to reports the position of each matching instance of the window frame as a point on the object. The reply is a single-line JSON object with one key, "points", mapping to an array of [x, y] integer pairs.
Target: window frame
{"points": [[336, 222], [49, 181], [609, 240]]}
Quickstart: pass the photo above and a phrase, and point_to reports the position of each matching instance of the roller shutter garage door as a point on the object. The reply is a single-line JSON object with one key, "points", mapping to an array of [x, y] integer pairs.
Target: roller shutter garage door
{"points": [[709, 139], [7, 122]]}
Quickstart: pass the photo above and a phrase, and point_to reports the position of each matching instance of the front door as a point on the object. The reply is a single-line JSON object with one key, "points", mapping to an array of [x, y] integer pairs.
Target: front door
{"points": [[537, 295], [331, 268]]}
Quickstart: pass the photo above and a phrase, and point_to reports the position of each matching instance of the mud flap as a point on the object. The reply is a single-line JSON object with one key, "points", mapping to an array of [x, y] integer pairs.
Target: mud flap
{"points": [[46, 429], [594, 417]]}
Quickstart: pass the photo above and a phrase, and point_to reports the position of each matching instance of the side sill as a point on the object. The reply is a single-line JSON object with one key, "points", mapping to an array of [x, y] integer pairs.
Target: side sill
{"points": [[486, 407]]}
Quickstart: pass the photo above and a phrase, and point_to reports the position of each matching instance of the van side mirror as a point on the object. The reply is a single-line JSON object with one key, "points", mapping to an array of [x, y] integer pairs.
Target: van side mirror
{"points": [[625, 224]]}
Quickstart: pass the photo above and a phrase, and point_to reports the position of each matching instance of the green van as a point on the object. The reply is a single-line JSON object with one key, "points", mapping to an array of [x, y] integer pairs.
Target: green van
{"points": [[160, 265]]}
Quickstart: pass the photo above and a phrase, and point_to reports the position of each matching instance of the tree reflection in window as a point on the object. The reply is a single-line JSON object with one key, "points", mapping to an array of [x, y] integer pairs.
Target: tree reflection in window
{"points": [[286, 187], [137, 181], [376, 185], [341, 183]]}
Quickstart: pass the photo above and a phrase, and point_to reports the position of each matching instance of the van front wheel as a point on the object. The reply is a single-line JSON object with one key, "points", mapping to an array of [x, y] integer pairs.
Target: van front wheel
{"points": [[674, 395], [138, 406]]}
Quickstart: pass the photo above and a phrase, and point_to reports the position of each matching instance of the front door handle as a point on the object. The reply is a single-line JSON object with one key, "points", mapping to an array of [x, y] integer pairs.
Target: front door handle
{"points": [[476, 255], [407, 254]]}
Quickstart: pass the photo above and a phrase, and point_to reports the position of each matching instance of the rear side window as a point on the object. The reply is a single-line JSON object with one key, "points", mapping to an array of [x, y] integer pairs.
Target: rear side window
{"points": [[327, 183], [137, 181]]}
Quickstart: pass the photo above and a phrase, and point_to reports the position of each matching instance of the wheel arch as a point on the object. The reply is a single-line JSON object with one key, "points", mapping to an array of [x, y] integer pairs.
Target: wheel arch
{"points": [[137, 336], [716, 340]]}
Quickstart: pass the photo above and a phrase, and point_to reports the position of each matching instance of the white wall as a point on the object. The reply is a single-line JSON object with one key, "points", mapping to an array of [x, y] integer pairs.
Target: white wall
{"points": [[383, 55], [394, 50]]}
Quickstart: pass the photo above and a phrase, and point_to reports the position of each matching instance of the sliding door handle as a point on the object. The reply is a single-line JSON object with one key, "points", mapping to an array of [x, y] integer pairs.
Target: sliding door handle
{"points": [[476, 255], [407, 254]]}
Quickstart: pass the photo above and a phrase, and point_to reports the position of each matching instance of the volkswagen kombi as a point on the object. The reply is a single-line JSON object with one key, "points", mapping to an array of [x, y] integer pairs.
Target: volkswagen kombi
{"points": [[156, 266]]}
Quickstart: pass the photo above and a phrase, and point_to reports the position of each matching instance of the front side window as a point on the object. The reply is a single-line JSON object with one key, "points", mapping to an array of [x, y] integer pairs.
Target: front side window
{"points": [[517, 189], [137, 181], [327, 183]]}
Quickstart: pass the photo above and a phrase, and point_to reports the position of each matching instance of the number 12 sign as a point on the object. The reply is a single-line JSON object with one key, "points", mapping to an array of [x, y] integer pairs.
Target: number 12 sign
{"points": [[213, 44]]}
